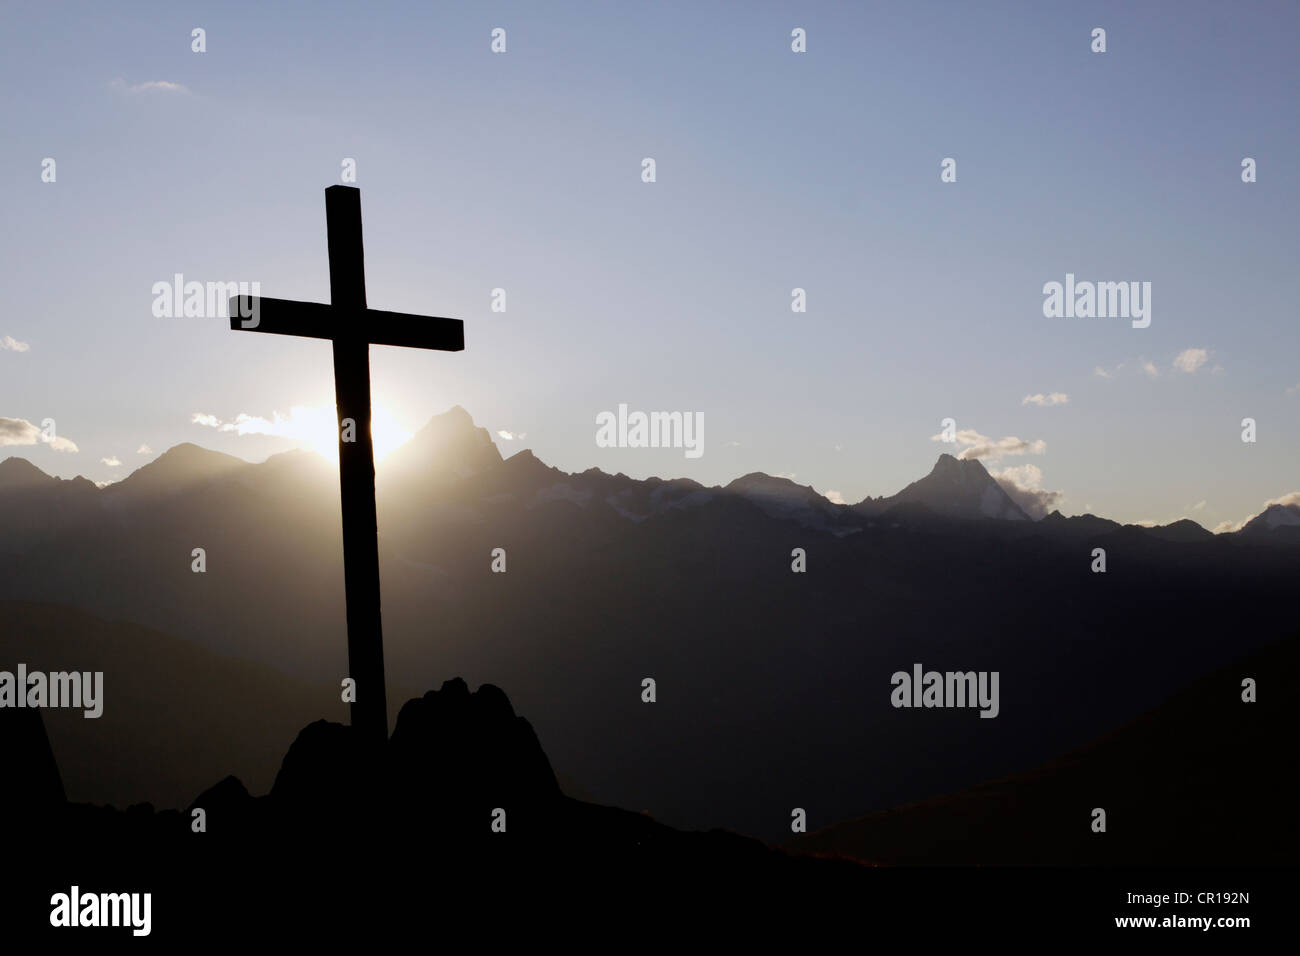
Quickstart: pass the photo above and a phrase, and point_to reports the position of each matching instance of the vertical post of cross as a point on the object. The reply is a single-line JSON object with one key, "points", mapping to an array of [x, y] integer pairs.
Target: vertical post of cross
{"points": [[356, 462]]}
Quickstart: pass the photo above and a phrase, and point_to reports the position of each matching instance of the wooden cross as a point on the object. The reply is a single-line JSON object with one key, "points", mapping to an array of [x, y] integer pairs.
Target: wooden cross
{"points": [[353, 328]]}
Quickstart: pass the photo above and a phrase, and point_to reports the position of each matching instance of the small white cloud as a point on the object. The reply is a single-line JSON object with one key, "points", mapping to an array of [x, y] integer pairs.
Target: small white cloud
{"points": [[12, 344], [508, 436], [1044, 401], [835, 498], [112, 461], [1150, 369], [789, 475], [162, 86], [144, 450], [1189, 360], [1101, 372], [1198, 506]]}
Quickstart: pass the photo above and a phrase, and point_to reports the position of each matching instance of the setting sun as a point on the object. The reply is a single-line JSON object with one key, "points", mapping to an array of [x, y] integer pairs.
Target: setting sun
{"points": [[320, 428], [317, 427]]}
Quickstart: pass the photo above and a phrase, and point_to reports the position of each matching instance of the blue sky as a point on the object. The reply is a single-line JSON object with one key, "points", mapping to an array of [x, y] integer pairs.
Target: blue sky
{"points": [[775, 170]]}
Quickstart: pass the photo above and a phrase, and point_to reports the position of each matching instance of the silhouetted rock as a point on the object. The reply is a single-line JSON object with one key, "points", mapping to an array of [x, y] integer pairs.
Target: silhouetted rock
{"points": [[349, 829], [451, 747], [31, 780], [328, 773]]}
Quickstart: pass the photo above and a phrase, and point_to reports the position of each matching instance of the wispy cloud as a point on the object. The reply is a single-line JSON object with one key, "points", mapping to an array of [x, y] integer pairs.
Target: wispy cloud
{"points": [[1043, 401], [149, 86], [508, 435], [11, 344], [1198, 506], [111, 461], [1189, 361], [19, 431], [1024, 485], [144, 450], [835, 498], [300, 423], [1291, 499], [982, 446]]}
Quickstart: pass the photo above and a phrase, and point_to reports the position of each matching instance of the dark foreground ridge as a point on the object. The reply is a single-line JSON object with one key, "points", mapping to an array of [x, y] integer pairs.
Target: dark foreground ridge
{"points": [[378, 835], [1203, 779], [398, 844]]}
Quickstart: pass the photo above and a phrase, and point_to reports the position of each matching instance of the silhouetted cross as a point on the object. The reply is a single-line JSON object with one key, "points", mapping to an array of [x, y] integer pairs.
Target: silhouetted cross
{"points": [[353, 328]]}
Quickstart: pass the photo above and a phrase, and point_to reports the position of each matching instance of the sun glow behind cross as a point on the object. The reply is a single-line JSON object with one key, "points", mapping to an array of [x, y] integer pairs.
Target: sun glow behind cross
{"points": [[321, 429], [317, 428]]}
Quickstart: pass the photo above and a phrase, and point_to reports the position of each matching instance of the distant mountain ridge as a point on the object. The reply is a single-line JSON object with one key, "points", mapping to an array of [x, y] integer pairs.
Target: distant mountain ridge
{"points": [[451, 448]]}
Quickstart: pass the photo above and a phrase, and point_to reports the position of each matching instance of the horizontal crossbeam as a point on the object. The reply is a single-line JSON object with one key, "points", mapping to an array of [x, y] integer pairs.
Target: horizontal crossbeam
{"points": [[317, 321]]}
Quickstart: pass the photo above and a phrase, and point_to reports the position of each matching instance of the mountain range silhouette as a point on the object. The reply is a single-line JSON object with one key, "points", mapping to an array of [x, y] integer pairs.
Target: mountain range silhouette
{"points": [[773, 686]]}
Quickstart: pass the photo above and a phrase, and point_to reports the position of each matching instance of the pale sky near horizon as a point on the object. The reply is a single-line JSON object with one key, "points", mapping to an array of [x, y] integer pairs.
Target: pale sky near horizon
{"points": [[775, 170]]}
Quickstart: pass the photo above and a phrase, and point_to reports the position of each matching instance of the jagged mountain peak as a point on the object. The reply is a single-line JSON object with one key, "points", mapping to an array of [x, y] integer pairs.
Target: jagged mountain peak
{"points": [[1274, 516], [449, 443], [955, 488]]}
